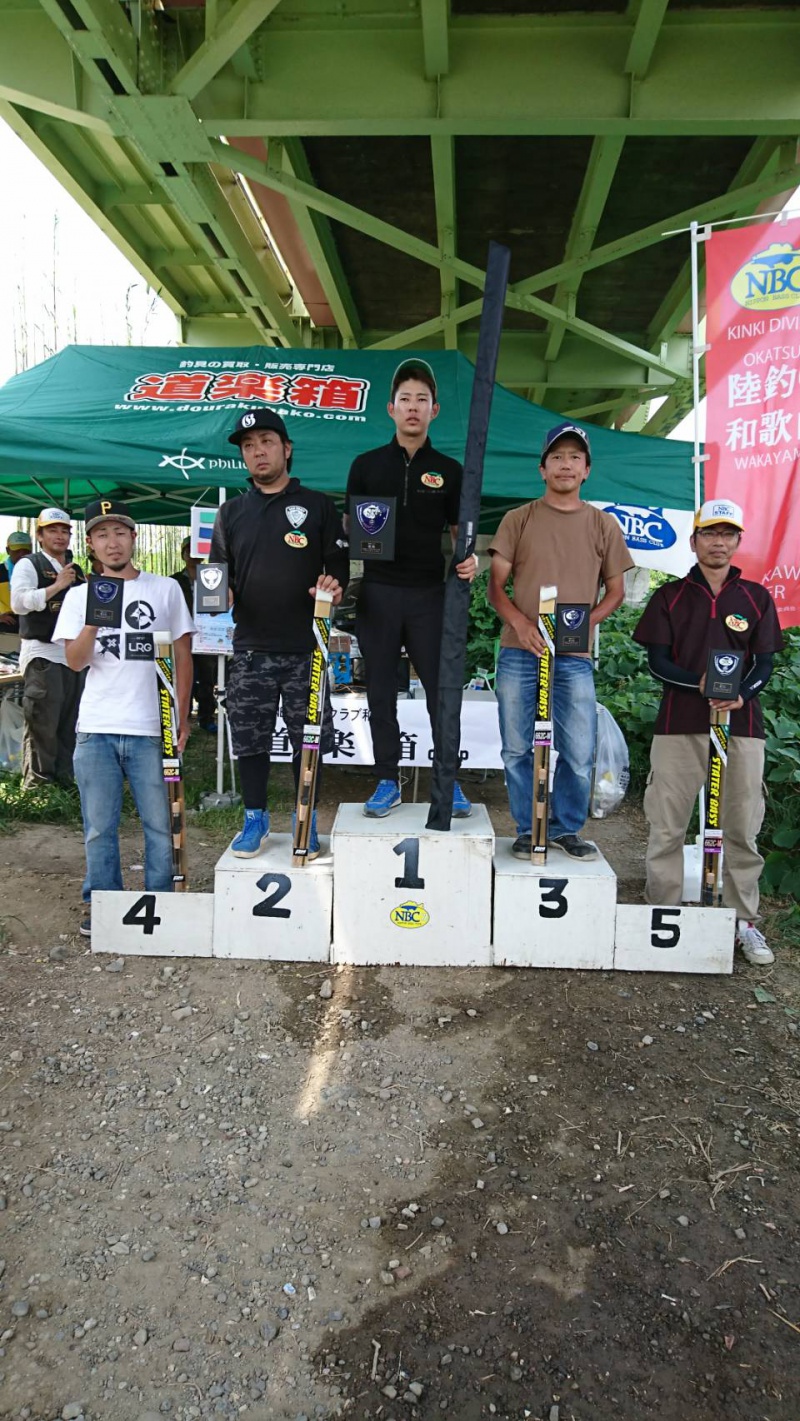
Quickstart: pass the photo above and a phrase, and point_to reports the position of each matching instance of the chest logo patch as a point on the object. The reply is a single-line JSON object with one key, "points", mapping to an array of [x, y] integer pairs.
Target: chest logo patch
{"points": [[433, 480], [296, 540], [296, 514], [737, 623], [373, 516]]}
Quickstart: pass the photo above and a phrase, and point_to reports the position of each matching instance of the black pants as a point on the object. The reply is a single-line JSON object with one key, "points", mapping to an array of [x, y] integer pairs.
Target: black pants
{"points": [[387, 619], [50, 697], [205, 679]]}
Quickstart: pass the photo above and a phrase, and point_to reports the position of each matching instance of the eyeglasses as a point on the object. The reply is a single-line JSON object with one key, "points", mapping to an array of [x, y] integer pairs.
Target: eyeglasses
{"points": [[729, 534]]}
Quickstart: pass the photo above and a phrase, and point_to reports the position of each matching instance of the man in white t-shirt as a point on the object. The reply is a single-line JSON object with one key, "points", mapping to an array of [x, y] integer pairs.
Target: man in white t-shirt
{"points": [[119, 728]]}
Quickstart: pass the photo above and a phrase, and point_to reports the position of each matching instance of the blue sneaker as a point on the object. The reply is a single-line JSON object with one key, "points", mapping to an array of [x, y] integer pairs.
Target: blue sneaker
{"points": [[313, 838], [386, 797], [462, 808], [255, 830]]}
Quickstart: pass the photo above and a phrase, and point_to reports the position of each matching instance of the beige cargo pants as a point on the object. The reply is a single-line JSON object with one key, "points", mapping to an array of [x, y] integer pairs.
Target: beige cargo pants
{"points": [[678, 766]]}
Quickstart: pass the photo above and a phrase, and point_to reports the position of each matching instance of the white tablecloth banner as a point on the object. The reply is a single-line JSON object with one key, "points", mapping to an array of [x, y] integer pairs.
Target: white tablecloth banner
{"points": [[480, 733]]}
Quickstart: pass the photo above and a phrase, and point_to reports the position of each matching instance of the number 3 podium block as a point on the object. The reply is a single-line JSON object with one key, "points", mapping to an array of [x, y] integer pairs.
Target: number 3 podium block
{"points": [[674, 939], [559, 915], [152, 924], [265, 908], [410, 895]]}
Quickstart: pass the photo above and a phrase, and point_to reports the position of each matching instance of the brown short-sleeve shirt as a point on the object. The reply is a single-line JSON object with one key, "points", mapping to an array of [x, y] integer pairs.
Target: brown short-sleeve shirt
{"points": [[574, 551]]}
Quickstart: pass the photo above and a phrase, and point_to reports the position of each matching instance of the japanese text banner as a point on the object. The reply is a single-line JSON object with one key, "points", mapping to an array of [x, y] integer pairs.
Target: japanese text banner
{"points": [[753, 388]]}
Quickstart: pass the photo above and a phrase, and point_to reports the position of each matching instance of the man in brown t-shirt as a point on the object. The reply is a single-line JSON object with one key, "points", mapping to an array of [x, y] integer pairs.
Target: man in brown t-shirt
{"points": [[557, 540]]}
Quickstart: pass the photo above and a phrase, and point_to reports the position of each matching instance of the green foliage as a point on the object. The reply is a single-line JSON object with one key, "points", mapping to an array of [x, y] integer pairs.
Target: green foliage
{"points": [[626, 688], [483, 630], [46, 804], [780, 837]]}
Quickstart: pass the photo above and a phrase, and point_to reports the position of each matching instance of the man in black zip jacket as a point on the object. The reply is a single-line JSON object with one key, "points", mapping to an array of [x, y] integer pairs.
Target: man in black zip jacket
{"points": [[281, 541], [713, 608], [51, 691], [402, 600]]}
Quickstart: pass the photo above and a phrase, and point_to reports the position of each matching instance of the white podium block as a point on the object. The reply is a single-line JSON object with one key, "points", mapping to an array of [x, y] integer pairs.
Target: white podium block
{"points": [[410, 895], [265, 908], [153, 924], [674, 939], [561, 915]]}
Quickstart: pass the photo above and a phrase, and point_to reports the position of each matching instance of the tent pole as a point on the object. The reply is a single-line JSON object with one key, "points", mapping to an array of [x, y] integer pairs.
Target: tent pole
{"points": [[221, 712], [699, 234], [66, 495]]}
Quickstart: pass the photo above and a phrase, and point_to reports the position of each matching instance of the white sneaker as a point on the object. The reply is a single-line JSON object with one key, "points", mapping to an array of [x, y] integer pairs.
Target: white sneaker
{"points": [[753, 944]]}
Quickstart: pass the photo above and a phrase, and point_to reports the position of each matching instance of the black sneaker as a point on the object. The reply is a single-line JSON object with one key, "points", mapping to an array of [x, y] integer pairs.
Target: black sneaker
{"points": [[521, 847], [85, 928], [573, 845]]}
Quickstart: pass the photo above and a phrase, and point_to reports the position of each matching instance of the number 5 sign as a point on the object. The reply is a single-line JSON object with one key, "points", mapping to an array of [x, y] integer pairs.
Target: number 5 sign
{"points": [[671, 939], [153, 924]]}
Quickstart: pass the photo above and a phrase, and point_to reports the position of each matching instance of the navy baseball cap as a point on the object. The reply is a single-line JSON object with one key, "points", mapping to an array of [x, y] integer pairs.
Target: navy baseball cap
{"points": [[258, 419], [560, 431]]}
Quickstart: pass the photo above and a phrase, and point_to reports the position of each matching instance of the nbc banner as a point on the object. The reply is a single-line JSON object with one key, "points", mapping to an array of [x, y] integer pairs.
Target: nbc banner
{"points": [[753, 390]]}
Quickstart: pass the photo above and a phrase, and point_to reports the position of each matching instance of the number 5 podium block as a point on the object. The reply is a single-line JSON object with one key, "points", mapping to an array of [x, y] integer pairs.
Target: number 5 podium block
{"points": [[410, 895], [559, 915], [671, 939]]}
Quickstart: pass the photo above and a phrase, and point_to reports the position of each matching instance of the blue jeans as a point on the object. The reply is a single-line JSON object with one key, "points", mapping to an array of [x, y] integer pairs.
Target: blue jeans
{"points": [[101, 763], [574, 731]]}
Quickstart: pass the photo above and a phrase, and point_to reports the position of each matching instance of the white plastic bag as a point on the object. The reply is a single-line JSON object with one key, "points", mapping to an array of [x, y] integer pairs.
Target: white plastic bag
{"points": [[612, 766], [12, 723]]}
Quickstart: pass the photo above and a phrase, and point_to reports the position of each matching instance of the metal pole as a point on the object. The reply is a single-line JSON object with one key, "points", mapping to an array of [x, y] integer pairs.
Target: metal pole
{"points": [[221, 705], [698, 351]]}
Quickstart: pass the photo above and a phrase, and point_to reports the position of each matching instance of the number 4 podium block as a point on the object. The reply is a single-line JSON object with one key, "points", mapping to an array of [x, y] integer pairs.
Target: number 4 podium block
{"points": [[559, 915], [410, 895], [152, 924]]}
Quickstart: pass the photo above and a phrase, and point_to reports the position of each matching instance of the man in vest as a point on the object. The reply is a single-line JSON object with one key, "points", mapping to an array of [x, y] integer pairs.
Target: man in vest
{"points": [[51, 691]]}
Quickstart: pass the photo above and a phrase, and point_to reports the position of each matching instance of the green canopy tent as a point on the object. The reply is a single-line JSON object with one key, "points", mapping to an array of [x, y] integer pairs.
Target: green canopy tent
{"points": [[150, 424]]}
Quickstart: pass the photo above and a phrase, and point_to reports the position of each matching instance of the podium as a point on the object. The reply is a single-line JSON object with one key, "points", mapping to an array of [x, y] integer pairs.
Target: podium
{"points": [[560, 915], [265, 908]]}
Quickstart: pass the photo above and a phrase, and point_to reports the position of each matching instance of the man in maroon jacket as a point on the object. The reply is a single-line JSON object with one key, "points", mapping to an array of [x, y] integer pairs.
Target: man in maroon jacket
{"points": [[712, 608]]}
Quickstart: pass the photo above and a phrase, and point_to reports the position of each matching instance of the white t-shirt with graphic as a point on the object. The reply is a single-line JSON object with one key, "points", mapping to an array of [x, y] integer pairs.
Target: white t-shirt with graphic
{"points": [[121, 692]]}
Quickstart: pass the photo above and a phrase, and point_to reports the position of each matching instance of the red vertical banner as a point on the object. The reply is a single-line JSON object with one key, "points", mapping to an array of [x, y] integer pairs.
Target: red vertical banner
{"points": [[753, 398]]}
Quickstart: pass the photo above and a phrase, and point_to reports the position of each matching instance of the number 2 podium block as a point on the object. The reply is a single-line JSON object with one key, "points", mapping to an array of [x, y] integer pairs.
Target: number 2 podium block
{"points": [[410, 895], [674, 939], [153, 924], [265, 908], [558, 915]]}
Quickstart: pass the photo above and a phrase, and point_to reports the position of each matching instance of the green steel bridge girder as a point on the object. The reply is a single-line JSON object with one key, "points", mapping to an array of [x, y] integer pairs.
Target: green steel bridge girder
{"points": [[504, 75]]}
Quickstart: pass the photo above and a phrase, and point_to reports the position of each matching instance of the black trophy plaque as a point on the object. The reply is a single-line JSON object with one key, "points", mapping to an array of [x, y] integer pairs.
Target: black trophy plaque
{"points": [[372, 527], [211, 588], [104, 601], [572, 628], [723, 674]]}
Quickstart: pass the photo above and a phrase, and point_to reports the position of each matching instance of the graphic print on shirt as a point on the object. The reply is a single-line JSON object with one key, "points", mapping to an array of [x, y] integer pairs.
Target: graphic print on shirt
{"points": [[139, 615], [432, 480], [108, 643], [139, 646], [296, 514]]}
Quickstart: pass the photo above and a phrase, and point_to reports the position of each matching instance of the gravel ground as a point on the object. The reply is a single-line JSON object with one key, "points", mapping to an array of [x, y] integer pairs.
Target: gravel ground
{"points": [[291, 1192]]}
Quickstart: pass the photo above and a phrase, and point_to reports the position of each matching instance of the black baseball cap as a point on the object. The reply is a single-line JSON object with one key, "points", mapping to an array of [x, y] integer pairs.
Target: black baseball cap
{"points": [[258, 419], [107, 510], [560, 431], [414, 370]]}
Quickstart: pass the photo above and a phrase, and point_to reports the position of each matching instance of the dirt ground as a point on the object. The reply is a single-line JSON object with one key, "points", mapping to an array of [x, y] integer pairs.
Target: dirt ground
{"points": [[562, 1196]]}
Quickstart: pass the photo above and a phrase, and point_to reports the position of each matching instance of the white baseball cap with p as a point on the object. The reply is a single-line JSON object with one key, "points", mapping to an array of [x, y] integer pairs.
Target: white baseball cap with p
{"points": [[719, 510]]}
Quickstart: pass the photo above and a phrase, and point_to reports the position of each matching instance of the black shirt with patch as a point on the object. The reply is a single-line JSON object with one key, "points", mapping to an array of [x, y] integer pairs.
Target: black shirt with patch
{"points": [[276, 547], [427, 487], [691, 621]]}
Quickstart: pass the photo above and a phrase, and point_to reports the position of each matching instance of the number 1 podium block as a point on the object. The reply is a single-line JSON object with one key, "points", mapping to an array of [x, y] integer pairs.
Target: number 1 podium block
{"points": [[558, 915], [674, 939], [410, 895], [265, 908]]}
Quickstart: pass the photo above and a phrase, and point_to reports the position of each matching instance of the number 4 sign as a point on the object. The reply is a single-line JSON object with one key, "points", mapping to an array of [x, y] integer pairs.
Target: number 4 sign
{"points": [[153, 924]]}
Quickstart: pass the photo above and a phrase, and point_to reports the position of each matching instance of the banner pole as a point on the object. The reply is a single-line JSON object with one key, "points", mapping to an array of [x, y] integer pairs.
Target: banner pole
{"points": [[698, 351], [221, 711]]}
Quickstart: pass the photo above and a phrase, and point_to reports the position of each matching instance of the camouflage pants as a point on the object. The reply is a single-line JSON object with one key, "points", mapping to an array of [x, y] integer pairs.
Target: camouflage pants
{"points": [[257, 681]]}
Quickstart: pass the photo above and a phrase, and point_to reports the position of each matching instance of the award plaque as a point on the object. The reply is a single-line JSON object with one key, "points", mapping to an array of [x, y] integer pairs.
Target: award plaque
{"points": [[572, 628], [104, 601], [372, 527], [211, 588], [723, 675]]}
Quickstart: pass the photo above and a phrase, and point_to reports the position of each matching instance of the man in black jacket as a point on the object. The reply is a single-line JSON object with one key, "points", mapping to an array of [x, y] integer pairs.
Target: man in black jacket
{"points": [[402, 601], [205, 669], [51, 691], [281, 541]]}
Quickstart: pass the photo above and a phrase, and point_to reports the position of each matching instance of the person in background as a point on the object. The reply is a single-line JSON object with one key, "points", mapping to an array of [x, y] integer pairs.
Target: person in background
{"points": [[18, 545], [713, 608], [51, 689], [205, 669], [119, 726], [401, 602]]}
